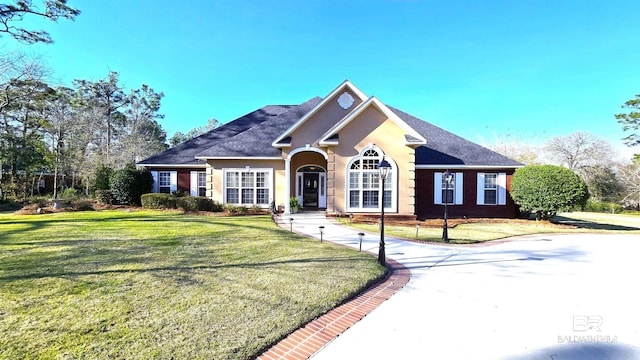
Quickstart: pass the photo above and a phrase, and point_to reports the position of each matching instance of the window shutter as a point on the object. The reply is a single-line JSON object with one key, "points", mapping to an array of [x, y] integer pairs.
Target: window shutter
{"points": [[174, 181], [480, 189], [437, 188], [459, 188], [154, 174], [193, 184], [502, 189]]}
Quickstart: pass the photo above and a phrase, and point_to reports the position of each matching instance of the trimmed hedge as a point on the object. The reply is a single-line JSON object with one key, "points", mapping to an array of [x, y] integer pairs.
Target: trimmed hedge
{"points": [[195, 203], [158, 201], [187, 203]]}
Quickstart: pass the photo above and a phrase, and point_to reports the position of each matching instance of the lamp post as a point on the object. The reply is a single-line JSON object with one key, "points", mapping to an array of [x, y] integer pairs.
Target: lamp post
{"points": [[417, 230], [448, 178], [291, 223], [361, 235], [383, 172], [321, 231]]}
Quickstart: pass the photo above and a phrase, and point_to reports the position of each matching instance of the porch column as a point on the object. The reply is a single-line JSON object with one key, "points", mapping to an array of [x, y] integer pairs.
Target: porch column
{"points": [[287, 185]]}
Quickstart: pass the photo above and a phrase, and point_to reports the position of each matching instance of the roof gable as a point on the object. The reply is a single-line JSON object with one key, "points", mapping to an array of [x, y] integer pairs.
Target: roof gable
{"points": [[345, 86], [412, 136]]}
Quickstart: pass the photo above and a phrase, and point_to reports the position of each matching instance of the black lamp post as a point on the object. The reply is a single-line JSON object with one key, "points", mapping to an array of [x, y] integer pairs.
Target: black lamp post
{"points": [[448, 178], [383, 172]]}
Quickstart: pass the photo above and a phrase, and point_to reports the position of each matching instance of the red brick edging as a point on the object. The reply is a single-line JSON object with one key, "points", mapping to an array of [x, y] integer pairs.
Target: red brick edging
{"points": [[307, 340]]}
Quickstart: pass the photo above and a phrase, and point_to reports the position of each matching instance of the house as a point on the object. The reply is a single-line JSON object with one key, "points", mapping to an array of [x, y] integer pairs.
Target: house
{"points": [[325, 153]]}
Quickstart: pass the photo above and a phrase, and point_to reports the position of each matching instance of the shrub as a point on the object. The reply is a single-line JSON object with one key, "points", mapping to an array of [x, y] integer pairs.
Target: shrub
{"points": [[158, 201], [256, 210], [603, 207], [9, 205], [180, 193], [82, 205], [217, 207], [103, 176], [236, 209], [194, 203], [546, 189], [104, 197], [70, 194], [128, 184]]}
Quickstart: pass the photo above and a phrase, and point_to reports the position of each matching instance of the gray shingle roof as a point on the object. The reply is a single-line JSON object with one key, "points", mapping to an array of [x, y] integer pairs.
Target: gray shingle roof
{"points": [[257, 140], [445, 148], [185, 153], [252, 135]]}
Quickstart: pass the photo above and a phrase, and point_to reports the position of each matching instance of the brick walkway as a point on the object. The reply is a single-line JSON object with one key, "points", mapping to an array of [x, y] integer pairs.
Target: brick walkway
{"points": [[307, 340]]}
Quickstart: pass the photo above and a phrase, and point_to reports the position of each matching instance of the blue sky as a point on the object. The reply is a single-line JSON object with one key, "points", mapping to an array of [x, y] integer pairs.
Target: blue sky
{"points": [[481, 69]]}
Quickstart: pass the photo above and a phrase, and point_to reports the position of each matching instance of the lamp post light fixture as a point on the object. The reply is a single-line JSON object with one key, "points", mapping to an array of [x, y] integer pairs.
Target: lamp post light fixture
{"points": [[383, 171], [448, 178], [360, 235], [291, 223], [321, 231]]}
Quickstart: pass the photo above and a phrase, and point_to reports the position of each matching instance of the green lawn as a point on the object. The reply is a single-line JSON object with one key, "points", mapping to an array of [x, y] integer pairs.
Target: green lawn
{"points": [[144, 284], [475, 232]]}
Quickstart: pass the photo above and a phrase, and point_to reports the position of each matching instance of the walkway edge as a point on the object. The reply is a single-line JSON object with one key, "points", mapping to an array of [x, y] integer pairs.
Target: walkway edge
{"points": [[312, 337]]}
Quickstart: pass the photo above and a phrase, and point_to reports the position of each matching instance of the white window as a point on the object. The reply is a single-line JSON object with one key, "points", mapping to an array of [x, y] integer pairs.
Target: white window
{"points": [[198, 183], [492, 189], [247, 187], [364, 183], [165, 181], [449, 192]]}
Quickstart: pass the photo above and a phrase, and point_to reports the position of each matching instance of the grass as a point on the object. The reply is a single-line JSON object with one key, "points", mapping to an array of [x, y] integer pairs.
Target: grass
{"points": [[475, 231], [145, 284]]}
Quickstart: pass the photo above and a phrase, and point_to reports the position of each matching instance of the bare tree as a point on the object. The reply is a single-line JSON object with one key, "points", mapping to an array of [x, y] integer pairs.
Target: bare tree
{"points": [[579, 151], [630, 177]]}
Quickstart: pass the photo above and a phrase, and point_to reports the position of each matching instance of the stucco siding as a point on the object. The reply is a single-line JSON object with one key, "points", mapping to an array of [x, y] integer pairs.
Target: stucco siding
{"points": [[373, 127], [326, 117]]}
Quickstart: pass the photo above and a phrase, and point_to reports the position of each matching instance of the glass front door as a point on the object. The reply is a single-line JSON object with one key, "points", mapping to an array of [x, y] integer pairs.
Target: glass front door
{"points": [[310, 183]]}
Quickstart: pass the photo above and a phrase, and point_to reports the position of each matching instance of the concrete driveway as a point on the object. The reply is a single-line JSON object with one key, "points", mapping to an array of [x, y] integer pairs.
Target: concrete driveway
{"points": [[541, 297]]}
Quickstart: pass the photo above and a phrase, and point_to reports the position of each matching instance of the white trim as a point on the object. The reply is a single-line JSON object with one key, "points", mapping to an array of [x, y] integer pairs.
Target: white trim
{"points": [[437, 188], [287, 185], [459, 188], [310, 148], [270, 178], [393, 177], [384, 109], [462, 167], [345, 85], [322, 199], [193, 183], [502, 188], [240, 158], [480, 188], [171, 166], [173, 176], [155, 188]]}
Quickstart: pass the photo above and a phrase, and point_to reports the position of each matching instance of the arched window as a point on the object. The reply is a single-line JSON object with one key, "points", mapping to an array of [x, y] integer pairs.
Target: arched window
{"points": [[363, 186]]}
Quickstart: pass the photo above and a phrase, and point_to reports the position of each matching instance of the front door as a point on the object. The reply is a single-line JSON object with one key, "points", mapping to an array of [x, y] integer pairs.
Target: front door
{"points": [[310, 183]]}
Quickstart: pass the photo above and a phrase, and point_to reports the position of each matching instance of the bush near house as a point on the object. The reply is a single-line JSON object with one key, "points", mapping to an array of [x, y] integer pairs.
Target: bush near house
{"points": [[128, 184], [546, 189], [186, 203]]}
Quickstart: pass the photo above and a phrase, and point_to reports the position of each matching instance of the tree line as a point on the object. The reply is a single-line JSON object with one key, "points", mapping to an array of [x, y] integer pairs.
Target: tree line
{"points": [[69, 132]]}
